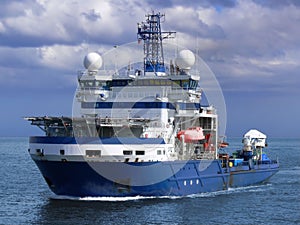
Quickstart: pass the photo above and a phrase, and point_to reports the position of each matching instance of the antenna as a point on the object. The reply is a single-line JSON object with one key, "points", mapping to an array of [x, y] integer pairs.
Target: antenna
{"points": [[150, 32]]}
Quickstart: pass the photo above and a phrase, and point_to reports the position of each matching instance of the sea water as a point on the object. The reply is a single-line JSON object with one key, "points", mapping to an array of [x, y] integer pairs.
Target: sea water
{"points": [[26, 199]]}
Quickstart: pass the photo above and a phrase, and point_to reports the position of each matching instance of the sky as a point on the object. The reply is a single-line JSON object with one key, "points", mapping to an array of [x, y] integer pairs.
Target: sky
{"points": [[252, 47]]}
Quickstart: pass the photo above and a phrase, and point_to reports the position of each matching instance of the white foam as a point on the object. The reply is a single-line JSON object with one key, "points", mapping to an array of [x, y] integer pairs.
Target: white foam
{"points": [[256, 188], [116, 199], [111, 199]]}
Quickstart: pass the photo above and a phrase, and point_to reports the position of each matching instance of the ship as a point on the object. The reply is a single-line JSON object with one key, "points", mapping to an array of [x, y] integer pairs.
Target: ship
{"points": [[139, 128]]}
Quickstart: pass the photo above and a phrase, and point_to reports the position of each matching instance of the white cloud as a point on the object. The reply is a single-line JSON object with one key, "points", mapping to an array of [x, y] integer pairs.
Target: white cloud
{"points": [[243, 40], [2, 28], [66, 58], [60, 22], [261, 44]]}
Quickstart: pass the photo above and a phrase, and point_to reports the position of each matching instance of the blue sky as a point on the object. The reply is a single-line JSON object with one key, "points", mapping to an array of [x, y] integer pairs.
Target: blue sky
{"points": [[253, 48]]}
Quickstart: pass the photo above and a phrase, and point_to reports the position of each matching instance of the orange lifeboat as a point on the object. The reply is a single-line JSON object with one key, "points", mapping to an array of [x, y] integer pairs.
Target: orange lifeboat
{"points": [[191, 135]]}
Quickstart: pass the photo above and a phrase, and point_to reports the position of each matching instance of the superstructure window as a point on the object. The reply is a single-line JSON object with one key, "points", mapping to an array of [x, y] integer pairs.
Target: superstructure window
{"points": [[92, 153], [94, 84], [160, 152], [62, 151], [140, 152], [127, 152]]}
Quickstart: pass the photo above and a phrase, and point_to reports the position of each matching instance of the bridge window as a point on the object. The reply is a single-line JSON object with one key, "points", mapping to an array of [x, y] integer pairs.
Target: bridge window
{"points": [[193, 84], [185, 84]]}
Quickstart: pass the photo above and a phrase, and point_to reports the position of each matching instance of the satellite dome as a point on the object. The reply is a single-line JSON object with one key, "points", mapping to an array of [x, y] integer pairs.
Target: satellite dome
{"points": [[92, 61], [185, 59]]}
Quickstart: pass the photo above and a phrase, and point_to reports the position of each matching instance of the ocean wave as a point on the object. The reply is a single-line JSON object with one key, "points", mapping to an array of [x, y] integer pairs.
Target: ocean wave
{"points": [[290, 171], [256, 188]]}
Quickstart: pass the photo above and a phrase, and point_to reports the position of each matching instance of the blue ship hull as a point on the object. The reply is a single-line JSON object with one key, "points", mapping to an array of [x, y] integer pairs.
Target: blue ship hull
{"points": [[80, 179]]}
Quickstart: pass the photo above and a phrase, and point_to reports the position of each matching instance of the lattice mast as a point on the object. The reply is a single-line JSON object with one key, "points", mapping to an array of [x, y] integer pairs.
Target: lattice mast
{"points": [[150, 32]]}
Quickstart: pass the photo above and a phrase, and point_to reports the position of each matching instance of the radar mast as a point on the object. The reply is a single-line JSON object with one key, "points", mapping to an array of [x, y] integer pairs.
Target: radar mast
{"points": [[150, 32]]}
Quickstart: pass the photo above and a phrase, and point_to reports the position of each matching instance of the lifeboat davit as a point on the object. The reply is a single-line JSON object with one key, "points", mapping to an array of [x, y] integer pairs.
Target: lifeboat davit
{"points": [[223, 144], [191, 135]]}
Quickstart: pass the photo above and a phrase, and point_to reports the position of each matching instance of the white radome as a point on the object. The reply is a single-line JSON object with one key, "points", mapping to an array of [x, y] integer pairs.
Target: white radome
{"points": [[185, 59], [92, 61]]}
